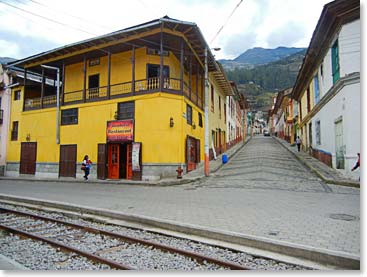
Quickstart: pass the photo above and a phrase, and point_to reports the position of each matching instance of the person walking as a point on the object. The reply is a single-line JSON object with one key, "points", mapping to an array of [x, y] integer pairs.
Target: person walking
{"points": [[86, 165], [358, 163], [298, 142]]}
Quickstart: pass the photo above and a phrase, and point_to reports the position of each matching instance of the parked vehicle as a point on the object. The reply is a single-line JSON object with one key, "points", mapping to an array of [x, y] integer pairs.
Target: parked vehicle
{"points": [[266, 133]]}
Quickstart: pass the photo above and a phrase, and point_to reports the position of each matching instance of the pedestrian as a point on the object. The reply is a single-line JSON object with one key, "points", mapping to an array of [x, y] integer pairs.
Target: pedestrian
{"points": [[86, 165], [357, 163], [298, 142]]}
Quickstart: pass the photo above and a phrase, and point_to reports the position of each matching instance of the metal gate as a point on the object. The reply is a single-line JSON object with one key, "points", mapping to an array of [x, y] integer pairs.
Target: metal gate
{"points": [[28, 155], [67, 164]]}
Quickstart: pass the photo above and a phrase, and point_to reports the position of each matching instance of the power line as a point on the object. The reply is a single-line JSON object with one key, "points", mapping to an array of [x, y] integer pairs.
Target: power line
{"points": [[225, 23], [48, 19], [68, 14]]}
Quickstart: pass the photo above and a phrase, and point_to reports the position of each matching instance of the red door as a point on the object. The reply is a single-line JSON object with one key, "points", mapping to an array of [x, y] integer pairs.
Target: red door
{"points": [[129, 162], [113, 161]]}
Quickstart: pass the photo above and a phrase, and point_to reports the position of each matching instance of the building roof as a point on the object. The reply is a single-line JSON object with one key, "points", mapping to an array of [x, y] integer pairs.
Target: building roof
{"points": [[112, 43], [333, 16]]}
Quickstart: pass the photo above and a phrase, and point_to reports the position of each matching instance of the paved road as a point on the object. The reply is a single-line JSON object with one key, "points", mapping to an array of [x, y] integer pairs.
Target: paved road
{"points": [[263, 191]]}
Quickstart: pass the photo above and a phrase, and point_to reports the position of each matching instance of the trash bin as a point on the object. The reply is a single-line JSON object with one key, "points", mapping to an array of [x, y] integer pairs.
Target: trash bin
{"points": [[224, 158]]}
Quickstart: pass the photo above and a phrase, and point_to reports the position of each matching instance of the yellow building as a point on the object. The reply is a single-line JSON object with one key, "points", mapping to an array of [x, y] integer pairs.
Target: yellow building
{"points": [[132, 100], [305, 107]]}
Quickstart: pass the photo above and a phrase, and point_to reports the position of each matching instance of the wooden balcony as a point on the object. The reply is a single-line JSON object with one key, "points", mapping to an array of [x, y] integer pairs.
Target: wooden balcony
{"points": [[120, 90]]}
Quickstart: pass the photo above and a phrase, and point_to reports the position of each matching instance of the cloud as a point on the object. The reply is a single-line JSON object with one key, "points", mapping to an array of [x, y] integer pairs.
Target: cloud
{"points": [[288, 34], [239, 43], [12, 45]]}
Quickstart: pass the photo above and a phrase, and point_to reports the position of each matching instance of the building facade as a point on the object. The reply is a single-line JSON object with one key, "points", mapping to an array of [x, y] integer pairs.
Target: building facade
{"points": [[132, 100], [328, 88]]}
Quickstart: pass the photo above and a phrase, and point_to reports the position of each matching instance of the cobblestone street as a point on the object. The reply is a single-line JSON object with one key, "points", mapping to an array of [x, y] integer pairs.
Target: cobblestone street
{"points": [[263, 192]]}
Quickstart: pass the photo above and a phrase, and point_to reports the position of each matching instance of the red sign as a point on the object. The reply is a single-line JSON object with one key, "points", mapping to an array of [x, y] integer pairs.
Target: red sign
{"points": [[120, 130]]}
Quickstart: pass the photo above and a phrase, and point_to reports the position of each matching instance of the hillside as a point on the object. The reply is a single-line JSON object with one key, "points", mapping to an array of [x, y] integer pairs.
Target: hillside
{"points": [[258, 56], [272, 76], [259, 83], [5, 60]]}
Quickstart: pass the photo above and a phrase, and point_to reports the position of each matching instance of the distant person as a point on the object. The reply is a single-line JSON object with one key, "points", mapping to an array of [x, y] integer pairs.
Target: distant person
{"points": [[86, 165], [357, 163], [298, 142]]}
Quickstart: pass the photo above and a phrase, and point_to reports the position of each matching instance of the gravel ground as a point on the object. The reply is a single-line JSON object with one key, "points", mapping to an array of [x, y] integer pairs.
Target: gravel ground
{"points": [[134, 255]]}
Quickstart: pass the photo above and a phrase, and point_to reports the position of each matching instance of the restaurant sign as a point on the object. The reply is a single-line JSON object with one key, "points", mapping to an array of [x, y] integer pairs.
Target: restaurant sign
{"points": [[120, 130]]}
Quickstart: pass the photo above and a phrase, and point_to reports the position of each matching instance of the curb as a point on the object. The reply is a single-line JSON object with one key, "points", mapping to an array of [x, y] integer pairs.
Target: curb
{"points": [[319, 174], [326, 257]]}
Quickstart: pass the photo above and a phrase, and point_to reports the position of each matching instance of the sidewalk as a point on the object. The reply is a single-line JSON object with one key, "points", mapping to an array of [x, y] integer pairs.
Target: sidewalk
{"points": [[190, 177], [326, 173]]}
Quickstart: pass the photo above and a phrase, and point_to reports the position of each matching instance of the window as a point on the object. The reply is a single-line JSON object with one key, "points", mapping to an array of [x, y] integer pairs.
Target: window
{"points": [[335, 62], [212, 98], [94, 62], [126, 110], [189, 114], [219, 105], [69, 117], [322, 70], [14, 131], [200, 120], [225, 113], [16, 95], [316, 88], [318, 133]]}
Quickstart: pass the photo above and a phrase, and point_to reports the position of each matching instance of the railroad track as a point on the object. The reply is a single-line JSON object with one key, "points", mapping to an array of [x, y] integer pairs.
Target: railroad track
{"points": [[75, 238], [75, 242]]}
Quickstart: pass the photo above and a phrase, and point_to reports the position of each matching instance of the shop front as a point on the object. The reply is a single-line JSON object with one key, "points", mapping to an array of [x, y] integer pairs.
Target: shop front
{"points": [[120, 158]]}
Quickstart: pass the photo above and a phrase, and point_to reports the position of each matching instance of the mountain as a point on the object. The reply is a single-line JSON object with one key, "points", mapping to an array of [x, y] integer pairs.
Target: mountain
{"points": [[5, 60], [259, 82], [258, 56]]}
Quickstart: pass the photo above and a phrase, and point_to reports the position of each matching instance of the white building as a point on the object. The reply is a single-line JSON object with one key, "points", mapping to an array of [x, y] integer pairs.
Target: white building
{"points": [[328, 88]]}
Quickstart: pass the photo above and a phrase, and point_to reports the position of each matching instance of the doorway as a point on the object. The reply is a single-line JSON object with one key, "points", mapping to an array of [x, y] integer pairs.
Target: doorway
{"points": [[119, 161], [28, 155], [67, 164]]}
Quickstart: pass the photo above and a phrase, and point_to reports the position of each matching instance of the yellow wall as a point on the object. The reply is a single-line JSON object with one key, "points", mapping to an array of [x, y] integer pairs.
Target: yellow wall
{"points": [[161, 143], [216, 122]]}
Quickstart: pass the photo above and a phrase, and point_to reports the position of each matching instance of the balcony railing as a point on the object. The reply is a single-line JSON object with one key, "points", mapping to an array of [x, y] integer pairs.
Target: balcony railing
{"points": [[170, 85]]}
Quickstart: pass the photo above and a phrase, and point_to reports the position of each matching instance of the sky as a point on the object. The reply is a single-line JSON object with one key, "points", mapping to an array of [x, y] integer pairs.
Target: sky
{"points": [[29, 27]]}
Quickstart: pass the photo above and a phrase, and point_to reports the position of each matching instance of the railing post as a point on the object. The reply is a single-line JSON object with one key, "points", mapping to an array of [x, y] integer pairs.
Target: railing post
{"points": [[42, 87], [85, 78], [109, 75], [133, 71], [63, 84], [182, 67], [161, 61]]}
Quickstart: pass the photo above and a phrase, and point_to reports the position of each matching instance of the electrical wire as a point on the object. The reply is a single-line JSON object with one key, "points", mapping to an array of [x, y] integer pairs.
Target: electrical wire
{"points": [[68, 14], [225, 23], [46, 18]]}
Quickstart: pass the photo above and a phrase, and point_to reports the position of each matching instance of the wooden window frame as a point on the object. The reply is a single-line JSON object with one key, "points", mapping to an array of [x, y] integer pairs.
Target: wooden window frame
{"points": [[70, 119], [14, 131], [17, 95], [188, 114]]}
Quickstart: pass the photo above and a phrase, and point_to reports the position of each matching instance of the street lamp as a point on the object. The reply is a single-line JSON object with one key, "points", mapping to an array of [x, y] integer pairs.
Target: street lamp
{"points": [[57, 100], [206, 115]]}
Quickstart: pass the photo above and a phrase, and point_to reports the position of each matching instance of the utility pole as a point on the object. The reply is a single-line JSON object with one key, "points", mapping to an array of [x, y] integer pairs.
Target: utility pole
{"points": [[206, 117]]}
